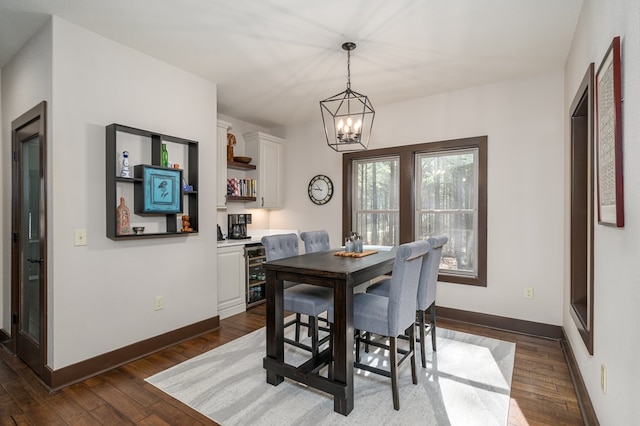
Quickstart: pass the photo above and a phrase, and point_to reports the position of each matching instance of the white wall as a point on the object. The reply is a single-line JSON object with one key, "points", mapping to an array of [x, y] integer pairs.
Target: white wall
{"points": [[523, 120], [26, 81], [102, 294], [616, 251]]}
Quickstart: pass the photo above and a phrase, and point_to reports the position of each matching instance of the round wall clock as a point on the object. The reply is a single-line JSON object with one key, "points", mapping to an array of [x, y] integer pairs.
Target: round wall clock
{"points": [[320, 189]]}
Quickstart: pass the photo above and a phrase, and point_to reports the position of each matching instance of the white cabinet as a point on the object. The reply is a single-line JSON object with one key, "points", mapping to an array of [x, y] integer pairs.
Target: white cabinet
{"points": [[223, 128], [268, 154], [231, 281]]}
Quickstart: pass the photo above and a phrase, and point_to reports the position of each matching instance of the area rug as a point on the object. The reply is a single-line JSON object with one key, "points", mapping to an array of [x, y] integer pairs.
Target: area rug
{"points": [[466, 382]]}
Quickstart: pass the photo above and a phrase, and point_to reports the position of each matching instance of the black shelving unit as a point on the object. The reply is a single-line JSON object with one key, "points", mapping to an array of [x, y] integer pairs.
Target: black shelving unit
{"points": [[112, 179]]}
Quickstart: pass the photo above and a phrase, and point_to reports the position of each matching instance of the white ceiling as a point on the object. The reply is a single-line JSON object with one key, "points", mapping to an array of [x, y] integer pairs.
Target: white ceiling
{"points": [[274, 60]]}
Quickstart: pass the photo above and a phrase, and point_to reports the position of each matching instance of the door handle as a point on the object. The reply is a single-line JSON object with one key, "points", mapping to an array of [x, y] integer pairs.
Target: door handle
{"points": [[40, 261]]}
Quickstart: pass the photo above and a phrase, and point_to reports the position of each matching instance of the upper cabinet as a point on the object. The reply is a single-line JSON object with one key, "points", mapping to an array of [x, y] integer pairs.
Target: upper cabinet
{"points": [[268, 153], [161, 199]]}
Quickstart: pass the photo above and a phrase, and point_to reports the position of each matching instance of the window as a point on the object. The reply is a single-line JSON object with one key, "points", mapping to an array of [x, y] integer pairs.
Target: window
{"points": [[375, 206], [446, 203], [401, 194]]}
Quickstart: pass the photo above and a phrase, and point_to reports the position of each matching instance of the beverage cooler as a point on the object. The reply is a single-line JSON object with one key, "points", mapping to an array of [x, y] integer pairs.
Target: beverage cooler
{"points": [[256, 278]]}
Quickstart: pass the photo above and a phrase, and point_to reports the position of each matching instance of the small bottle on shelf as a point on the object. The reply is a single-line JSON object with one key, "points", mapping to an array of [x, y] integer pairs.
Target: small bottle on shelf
{"points": [[165, 156]]}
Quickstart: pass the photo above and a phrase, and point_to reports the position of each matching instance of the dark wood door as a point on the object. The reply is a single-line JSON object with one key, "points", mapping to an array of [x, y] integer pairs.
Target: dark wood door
{"points": [[29, 258]]}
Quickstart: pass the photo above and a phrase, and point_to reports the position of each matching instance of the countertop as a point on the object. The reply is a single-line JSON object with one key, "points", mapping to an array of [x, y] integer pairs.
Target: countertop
{"points": [[256, 235]]}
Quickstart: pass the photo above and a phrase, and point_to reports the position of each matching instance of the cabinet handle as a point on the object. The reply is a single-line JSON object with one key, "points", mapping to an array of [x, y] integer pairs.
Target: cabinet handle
{"points": [[262, 198]]}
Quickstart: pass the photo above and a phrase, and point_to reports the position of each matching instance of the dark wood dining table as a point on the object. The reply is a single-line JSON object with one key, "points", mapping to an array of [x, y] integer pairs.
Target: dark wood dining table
{"points": [[327, 270]]}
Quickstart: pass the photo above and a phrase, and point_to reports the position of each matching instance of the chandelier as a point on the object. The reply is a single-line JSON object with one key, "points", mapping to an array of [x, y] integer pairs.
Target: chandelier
{"points": [[348, 116]]}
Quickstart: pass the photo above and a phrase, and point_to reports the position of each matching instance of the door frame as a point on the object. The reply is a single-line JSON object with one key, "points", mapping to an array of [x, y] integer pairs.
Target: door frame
{"points": [[35, 114]]}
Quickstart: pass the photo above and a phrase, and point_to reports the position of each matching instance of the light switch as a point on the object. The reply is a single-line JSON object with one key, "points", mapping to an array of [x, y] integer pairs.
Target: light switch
{"points": [[80, 237]]}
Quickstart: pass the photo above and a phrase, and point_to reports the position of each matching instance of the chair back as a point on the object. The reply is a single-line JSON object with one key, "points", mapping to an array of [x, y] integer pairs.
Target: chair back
{"points": [[280, 246], [315, 241], [403, 287], [429, 272]]}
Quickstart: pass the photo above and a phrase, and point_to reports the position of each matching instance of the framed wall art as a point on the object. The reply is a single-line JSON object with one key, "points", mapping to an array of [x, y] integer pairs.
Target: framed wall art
{"points": [[159, 191], [609, 138]]}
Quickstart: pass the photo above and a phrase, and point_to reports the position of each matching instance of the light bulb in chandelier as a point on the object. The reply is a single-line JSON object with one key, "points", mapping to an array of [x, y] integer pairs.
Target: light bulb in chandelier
{"points": [[349, 132]]}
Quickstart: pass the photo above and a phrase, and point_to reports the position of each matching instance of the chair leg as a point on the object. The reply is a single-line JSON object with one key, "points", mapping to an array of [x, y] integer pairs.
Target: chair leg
{"points": [[423, 356], [298, 319], [412, 349], [357, 345], [313, 327], [330, 366], [367, 338], [432, 317], [393, 363]]}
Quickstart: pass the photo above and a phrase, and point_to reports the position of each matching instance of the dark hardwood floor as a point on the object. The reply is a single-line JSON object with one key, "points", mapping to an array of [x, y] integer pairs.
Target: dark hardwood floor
{"points": [[541, 394]]}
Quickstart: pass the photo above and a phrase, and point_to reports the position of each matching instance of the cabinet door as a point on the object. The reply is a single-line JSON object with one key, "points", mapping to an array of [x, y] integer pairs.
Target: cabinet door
{"points": [[221, 163], [269, 150], [231, 281], [271, 174]]}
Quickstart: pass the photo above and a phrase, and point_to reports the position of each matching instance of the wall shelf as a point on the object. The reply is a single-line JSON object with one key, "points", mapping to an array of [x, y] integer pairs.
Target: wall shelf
{"points": [[240, 166], [237, 198], [112, 180]]}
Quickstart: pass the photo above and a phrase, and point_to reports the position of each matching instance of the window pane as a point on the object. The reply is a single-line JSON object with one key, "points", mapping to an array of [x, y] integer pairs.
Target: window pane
{"points": [[375, 202], [447, 200], [460, 252], [377, 228]]}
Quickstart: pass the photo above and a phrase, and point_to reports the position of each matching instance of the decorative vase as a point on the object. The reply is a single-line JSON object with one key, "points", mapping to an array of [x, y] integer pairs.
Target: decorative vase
{"points": [[122, 222], [125, 172], [165, 156]]}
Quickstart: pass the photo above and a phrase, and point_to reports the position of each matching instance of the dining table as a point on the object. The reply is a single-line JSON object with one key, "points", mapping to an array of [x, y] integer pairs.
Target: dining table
{"points": [[324, 269]]}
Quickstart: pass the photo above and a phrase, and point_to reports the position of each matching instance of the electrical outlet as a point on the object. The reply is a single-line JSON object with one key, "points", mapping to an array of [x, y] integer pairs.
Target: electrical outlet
{"points": [[80, 237], [528, 292], [603, 378], [158, 303]]}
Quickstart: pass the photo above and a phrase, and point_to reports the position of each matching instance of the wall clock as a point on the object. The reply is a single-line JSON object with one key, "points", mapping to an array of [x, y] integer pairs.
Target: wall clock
{"points": [[320, 189]]}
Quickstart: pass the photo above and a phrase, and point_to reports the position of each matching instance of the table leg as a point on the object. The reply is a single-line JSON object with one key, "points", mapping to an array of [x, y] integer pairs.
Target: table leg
{"points": [[275, 324], [343, 345]]}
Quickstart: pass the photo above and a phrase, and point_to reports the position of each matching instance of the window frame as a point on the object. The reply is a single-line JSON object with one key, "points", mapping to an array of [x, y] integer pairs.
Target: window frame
{"points": [[407, 155]]}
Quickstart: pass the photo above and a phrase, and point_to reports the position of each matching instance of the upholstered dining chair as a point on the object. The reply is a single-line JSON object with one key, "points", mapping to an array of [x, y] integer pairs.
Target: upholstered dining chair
{"points": [[394, 315], [426, 299], [315, 241], [302, 299]]}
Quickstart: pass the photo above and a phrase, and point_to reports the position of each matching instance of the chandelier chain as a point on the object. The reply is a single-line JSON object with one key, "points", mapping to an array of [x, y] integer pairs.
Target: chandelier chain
{"points": [[349, 69]]}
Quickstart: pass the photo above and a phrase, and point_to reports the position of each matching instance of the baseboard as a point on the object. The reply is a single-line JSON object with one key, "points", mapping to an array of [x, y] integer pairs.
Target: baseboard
{"points": [[57, 379], [233, 310], [502, 323], [584, 402]]}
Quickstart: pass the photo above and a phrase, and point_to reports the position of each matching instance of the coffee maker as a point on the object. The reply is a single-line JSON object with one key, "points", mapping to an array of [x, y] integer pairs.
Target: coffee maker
{"points": [[238, 226]]}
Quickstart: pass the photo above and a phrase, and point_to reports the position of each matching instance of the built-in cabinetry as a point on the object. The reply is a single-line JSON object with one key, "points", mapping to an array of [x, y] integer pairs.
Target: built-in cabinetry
{"points": [[231, 280], [268, 154], [221, 136], [256, 278], [145, 149]]}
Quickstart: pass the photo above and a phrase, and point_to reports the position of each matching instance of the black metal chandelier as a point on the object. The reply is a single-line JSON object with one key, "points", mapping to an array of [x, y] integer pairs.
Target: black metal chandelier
{"points": [[347, 116]]}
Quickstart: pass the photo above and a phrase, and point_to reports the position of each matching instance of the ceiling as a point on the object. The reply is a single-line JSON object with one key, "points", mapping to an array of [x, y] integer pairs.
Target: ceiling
{"points": [[274, 60]]}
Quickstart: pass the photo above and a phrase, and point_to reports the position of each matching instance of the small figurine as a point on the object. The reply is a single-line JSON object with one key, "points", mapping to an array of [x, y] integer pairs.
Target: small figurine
{"points": [[231, 141], [186, 226], [125, 173]]}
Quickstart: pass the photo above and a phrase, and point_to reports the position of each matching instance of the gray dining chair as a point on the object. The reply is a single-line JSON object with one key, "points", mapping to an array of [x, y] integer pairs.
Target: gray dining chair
{"points": [[394, 315], [302, 299], [426, 299], [315, 241]]}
